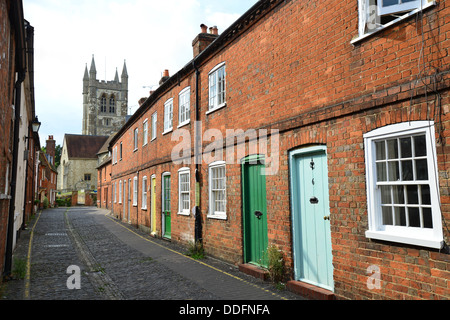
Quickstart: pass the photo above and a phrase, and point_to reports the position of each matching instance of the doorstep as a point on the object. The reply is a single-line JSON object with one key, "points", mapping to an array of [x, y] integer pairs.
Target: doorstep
{"points": [[254, 271], [309, 291]]}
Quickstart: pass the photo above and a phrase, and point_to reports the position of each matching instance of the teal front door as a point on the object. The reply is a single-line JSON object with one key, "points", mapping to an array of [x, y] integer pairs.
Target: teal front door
{"points": [[166, 214], [311, 217], [254, 210]]}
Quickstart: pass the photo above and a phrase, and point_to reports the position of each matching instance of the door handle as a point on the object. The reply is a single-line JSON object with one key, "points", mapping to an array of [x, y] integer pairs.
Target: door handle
{"points": [[326, 218], [258, 214], [314, 200]]}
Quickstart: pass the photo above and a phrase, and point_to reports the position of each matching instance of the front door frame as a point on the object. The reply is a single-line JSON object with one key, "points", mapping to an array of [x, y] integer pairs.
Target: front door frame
{"points": [[247, 217], [295, 185]]}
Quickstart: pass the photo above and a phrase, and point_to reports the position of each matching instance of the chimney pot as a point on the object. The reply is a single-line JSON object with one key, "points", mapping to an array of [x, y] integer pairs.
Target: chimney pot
{"points": [[204, 28]]}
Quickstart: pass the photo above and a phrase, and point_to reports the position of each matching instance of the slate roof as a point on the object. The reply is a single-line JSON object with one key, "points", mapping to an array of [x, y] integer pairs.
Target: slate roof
{"points": [[84, 147]]}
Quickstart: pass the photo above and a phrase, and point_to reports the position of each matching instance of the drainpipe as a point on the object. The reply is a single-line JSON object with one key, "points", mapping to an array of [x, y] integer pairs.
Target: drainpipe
{"points": [[198, 214]]}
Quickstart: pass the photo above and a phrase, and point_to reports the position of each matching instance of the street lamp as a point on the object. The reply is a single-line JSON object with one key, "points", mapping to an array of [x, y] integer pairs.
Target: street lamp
{"points": [[36, 125]]}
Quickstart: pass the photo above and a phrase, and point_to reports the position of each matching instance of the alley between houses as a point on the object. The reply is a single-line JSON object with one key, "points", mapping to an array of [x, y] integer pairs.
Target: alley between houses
{"points": [[117, 262]]}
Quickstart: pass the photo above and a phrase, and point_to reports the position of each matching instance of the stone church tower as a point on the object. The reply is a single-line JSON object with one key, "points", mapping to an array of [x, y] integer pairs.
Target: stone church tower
{"points": [[105, 103]]}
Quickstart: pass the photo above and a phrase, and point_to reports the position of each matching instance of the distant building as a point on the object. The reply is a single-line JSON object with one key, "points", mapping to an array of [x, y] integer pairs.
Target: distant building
{"points": [[105, 103], [79, 161]]}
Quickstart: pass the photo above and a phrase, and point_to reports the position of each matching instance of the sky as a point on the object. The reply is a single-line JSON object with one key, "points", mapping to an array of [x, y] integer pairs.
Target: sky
{"points": [[150, 35]]}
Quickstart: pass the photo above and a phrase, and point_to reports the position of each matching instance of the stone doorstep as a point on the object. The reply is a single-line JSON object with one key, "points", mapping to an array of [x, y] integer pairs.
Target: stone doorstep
{"points": [[254, 271], [309, 291], [301, 288]]}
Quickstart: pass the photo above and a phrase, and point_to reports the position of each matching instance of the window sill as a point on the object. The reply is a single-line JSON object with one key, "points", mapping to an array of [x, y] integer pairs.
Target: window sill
{"points": [[223, 105], [217, 216], [183, 213], [394, 22], [5, 197], [167, 131], [422, 242], [183, 124]]}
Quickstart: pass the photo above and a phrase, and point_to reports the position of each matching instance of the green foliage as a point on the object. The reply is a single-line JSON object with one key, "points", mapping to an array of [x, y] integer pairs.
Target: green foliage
{"points": [[19, 268], [276, 264], [45, 202], [196, 250]]}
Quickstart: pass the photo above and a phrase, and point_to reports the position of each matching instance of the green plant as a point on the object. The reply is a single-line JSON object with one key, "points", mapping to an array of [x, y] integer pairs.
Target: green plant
{"points": [[276, 264], [195, 250], [45, 202], [20, 268]]}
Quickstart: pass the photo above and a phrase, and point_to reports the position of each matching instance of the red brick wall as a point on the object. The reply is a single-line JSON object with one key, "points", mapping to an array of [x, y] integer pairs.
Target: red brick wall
{"points": [[7, 48], [297, 72]]}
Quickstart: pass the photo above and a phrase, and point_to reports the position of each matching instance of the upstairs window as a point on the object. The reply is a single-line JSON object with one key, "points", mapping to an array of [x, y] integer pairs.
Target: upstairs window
{"points": [[185, 106], [145, 137], [168, 116], [402, 184], [154, 125], [136, 138], [217, 87], [375, 15]]}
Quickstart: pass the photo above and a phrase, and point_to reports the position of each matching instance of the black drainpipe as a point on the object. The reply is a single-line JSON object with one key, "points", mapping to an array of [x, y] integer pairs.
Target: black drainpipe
{"points": [[198, 213]]}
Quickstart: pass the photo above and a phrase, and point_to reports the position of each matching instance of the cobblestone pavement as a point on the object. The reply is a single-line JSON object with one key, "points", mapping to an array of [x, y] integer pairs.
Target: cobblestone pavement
{"points": [[119, 262]]}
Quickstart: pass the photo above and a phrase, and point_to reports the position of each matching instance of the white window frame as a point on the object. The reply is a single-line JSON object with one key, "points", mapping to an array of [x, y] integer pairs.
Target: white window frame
{"points": [[214, 103], [168, 116], [115, 192], [397, 8], [154, 125], [120, 191], [184, 108], [144, 193], [145, 132], [212, 212], [136, 138], [426, 237], [370, 15], [135, 192], [181, 209]]}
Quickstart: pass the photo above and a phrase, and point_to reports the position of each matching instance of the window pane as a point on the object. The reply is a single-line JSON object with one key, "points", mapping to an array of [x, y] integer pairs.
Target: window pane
{"points": [[407, 170], [392, 149], [412, 195], [400, 216], [387, 3], [420, 146], [425, 191], [381, 172], [381, 150], [385, 195], [414, 217], [387, 216], [405, 146], [427, 219], [399, 194], [421, 169], [394, 171]]}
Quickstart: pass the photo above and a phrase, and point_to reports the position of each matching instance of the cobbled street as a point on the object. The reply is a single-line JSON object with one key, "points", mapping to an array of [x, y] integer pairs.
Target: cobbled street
{"points": [[118, 262]]}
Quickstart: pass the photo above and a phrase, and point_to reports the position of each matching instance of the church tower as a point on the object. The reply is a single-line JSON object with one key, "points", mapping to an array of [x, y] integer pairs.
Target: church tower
{"points": [[105, 103]]}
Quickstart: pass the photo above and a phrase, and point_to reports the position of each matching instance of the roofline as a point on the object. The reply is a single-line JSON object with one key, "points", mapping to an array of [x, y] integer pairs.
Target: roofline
{"points": [[249, 18]]}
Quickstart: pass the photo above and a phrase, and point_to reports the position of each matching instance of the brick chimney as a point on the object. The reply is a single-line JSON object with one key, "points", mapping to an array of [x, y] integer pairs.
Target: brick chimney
{"points": [[51, 149], [165, 77], [204, 39]]}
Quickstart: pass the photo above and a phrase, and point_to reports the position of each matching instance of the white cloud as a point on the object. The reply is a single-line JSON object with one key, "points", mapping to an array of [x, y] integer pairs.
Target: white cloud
{"points": [[150, 35]]}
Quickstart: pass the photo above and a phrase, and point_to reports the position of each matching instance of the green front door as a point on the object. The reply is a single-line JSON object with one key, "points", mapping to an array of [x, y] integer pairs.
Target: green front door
{"points": [[166, 219], [254, 210]]}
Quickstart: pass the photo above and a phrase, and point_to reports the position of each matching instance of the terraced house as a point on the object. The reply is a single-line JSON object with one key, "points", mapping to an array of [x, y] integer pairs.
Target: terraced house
{"points": [[321, 132]]}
